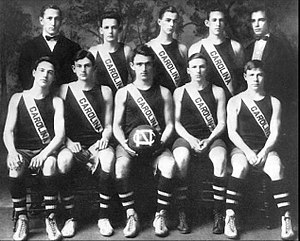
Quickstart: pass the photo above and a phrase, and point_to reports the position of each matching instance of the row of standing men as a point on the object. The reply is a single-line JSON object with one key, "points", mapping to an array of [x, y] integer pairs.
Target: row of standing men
{"points": [[220, 64]]}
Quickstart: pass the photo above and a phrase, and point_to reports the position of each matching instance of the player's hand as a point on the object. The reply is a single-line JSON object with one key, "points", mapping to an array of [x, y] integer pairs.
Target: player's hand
{"points": [[128, 149], [261, 157], [73, 146], [203, 144], [14, 160], [195, 144], [37, 161], [251, 157], [102, 144]]}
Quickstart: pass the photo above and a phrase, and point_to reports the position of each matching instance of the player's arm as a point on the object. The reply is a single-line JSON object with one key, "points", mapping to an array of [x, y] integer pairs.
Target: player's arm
{"points": [[120, 100], [195, 48], [128, 54], [233, 107], [239, 53], [219, 95], [107, 131], [14, 159], [62, 91], [274, 130], [183, 51], [181, 131], [168, 114]]}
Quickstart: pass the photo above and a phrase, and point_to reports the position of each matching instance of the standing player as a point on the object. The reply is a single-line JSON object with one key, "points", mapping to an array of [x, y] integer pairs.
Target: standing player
{"points": [[253, 120], [131, 103], [171, 56], [200, 115], [112, 56], [224, 55], [88, 128], [51, 43], [33, 134]]}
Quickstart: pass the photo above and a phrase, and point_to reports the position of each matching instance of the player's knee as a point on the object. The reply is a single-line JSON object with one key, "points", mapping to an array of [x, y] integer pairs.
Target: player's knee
{"points": [[240, 170], [64, 162], [167, 167], [17, 173], [49, 167], [275, 171], [122, 168]]}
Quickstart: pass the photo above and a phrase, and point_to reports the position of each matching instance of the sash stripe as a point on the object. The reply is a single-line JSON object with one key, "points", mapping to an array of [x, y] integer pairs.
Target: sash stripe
{"points": [[87, 109], [166, 61], [202, 107], [258, 115], [144, 106], [110, 67], [219, 64], [36, 118]]}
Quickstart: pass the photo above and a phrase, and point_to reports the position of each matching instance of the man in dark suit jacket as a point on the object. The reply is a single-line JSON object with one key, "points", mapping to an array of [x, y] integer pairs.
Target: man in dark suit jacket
{"points": [[50, 43], [277, 56]]}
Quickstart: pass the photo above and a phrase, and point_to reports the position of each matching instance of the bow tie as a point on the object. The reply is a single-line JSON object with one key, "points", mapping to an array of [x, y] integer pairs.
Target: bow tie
{"points": [[262, 37], [48, 38]]}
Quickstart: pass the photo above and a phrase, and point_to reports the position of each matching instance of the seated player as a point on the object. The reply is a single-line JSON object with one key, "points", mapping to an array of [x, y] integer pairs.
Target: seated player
{"points": [[253, 121], [131, 104], [33, 135], [200, 117], [88, 130]]}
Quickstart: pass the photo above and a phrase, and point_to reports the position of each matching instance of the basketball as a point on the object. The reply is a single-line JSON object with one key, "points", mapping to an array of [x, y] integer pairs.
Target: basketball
{"points": [[144, 139]]}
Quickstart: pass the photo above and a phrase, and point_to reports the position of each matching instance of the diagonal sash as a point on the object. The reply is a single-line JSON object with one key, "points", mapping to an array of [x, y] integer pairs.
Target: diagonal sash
{"points": [[166, 61], [219, 64], [87, 109], [258, 115], [110, 67], [144, 106], [36, 118], [202, 107]]}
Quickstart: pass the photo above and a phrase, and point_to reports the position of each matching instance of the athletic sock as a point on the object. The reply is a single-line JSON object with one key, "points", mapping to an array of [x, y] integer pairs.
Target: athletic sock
{"points": [[104, 182], [67, 195], [181, 191], [234, 192], [164, 193], [18, 194], [219, 188], [50, 194], [281, 195], [125, 192]]}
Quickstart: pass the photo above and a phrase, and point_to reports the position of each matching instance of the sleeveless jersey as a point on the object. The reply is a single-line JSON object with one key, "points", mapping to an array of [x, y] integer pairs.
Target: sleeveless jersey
{"points": [[162, 76], [226, 52], [191, 118], [248, 128], [26, 136], [101, 74], [133, 115], [78, 128]]}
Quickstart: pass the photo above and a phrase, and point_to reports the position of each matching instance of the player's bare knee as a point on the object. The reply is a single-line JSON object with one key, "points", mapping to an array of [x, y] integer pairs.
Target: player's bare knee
{"points": [[122, 168], [275, 171], [16, 173], [64, 162], [167, 167], [49, 167], [240, 170]]}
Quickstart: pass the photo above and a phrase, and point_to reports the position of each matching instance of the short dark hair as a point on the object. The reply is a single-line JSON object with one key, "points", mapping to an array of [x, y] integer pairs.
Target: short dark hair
{"points": [[263, 8], [81, 54], [143, 50], [215, 7], [44, 59], [254, 64], [197, 56], [170, 9], [112, 15], [50, 6]]}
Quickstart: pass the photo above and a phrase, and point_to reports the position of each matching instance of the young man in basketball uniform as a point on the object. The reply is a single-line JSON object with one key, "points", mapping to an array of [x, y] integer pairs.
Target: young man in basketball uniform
{"points": [[225, 56], [200, 117], [171, 56], [112, 56], [33, 135], [88, 128], [131, 105], [253, 121]]}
